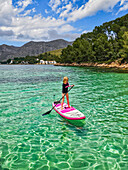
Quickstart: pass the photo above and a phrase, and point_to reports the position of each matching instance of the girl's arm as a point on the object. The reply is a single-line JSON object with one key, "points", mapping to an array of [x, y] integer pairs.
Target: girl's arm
{"points": [[69, 86]]}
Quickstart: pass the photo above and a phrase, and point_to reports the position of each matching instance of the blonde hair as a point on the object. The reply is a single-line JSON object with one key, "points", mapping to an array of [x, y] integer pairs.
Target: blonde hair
{"points": [[65, 80]]}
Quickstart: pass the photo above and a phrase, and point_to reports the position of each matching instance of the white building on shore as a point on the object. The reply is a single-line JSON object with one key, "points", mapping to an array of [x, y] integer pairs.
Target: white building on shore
{"points": [[11, 62], [47, 62]]}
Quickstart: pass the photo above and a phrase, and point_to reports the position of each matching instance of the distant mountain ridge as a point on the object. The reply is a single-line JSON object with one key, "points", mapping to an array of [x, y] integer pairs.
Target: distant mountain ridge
{"points": [[31, 48]]}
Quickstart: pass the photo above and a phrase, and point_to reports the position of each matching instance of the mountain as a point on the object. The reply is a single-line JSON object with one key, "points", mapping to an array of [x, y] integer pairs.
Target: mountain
{"points": [[31, 48]]}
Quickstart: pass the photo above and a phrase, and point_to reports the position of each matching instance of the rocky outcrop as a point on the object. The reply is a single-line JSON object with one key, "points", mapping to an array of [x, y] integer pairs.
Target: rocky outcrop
{"points": [[115, 64], [31, 48]]}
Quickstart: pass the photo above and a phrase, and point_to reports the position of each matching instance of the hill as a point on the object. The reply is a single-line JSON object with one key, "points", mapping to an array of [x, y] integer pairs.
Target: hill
{"points": [[56, 52], [31, 49], [105, 44]]}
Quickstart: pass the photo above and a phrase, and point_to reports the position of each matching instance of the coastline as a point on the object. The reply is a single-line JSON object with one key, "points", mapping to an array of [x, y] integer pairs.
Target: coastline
{"points": [[113, 65]]}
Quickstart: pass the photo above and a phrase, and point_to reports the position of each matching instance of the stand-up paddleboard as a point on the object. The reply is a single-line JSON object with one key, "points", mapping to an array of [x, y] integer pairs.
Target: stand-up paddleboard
{"points": [[72, 115]]}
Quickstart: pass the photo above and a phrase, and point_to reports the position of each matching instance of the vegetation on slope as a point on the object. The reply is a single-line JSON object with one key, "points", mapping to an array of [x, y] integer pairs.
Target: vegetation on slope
{"points": [[106, 43], [48, 56], [56, 52]]}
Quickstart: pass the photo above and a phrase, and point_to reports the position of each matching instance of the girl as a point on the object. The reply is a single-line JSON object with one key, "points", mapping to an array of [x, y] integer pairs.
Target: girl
{"points": [[65, 90]]}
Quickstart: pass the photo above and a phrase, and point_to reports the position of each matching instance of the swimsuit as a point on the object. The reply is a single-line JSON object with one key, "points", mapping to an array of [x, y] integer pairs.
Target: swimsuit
{"points": [[65, 87]]}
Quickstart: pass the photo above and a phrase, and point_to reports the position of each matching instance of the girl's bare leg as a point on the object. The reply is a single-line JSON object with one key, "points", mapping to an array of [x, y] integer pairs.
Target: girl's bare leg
{"points": [[62, 101], [67, 96]]}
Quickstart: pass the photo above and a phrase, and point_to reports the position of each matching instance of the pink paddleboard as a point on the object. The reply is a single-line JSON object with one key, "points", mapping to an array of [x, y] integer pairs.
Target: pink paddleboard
{"points": [[68, 113]]}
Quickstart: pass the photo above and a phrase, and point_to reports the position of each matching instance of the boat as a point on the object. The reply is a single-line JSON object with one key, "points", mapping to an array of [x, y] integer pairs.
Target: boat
{"points": [[70, 115]]}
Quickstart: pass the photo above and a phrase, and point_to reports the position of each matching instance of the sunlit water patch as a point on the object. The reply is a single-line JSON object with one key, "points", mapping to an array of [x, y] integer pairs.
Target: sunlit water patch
{"points": [[30, 141]]}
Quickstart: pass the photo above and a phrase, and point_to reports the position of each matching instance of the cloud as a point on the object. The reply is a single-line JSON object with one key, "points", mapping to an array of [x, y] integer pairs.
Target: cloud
{"points": [[22, 4], [122, 2], [124, 5], [53, 34], [36, 26], [54, 4], [21, 21], [72, 12], [86, 31], [6, 12], [6, 33], [46, 11], [67, 9], [66, 28], [17, 22], [58, 5], [91, 7]]}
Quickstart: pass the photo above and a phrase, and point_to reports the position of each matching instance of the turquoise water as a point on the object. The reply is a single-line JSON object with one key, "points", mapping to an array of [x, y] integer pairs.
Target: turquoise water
{"points": [[29, 140]]}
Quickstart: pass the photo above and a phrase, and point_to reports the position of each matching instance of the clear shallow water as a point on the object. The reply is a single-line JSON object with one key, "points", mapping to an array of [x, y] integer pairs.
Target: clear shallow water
{"points": [[30, 141]]}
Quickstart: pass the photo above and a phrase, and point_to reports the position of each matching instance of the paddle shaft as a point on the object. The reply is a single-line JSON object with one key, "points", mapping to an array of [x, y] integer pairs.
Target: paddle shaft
{"points": [[56, 104]]}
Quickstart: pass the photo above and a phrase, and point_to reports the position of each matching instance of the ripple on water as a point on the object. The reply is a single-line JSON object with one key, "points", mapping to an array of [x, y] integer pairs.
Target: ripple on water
{"points": [[30, 141]]}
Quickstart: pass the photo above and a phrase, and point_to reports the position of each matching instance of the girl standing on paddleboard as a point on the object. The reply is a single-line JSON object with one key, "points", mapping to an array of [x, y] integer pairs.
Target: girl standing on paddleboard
{"points": [[65, 90]]}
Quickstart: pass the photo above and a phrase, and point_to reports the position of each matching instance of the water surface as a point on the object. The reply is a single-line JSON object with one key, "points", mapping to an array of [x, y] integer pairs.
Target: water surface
{"points": [[30, 141]]}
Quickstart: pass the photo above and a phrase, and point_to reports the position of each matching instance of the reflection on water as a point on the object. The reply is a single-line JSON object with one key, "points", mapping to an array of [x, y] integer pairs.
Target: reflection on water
{"points": [[30, 141]]}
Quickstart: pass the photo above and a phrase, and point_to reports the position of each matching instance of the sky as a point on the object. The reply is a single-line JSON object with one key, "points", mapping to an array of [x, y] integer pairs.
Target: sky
{"points": [[22, 21]]}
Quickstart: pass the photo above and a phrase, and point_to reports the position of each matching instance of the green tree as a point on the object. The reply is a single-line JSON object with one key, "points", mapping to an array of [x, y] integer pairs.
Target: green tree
{"points": [[102, 48], [124, 50], [8, 61]]}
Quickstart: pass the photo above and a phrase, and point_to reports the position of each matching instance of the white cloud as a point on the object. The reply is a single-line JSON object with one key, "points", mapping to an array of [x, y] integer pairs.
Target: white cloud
{"points": [[54, 4], [87, 9], [66, 28], [16, 22], [91, 7], [6, 33], [86, 31], [58, 5], [122, 2], [22, 4], [53, 34], [71, 12], [67, 9], [27, 12], [124, 5], [20, 21], [65, 1], [6, 12], [46, 11]]}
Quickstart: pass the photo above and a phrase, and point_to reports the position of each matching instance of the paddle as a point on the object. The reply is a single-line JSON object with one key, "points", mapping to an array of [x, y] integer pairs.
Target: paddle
{"points": [[57, 102]]}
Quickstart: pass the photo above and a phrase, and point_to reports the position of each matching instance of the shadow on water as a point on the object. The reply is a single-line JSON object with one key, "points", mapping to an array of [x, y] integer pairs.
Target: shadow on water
{"points": [[69, 127]]}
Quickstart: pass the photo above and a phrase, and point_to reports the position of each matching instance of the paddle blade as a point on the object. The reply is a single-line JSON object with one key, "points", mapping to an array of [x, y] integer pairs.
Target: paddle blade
{"points": [[46, 113]]}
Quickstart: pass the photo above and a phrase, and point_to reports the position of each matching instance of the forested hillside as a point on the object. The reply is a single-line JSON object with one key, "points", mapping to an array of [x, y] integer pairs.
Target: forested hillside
{"points": [[105, 44]]}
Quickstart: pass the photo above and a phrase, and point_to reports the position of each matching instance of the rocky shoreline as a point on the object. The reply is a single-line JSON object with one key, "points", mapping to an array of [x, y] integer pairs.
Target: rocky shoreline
{"points": [[115, 65]]}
